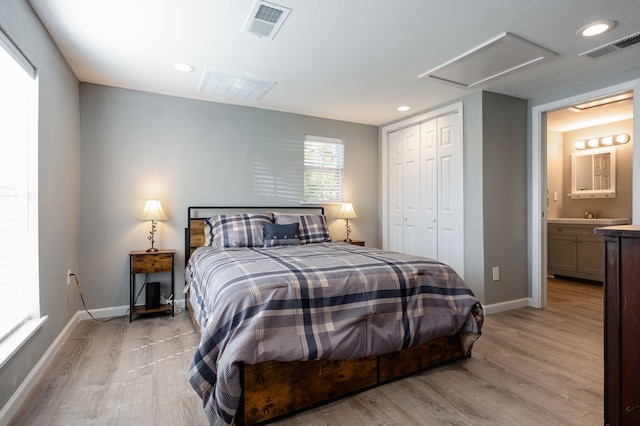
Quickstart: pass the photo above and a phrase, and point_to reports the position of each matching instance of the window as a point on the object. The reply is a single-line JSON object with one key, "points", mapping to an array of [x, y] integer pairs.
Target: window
{"points": [[323, 169], [18, 191]]}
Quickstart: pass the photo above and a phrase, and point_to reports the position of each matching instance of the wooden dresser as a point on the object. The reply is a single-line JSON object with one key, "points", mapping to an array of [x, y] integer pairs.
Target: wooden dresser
{"points": [[621, 324]]}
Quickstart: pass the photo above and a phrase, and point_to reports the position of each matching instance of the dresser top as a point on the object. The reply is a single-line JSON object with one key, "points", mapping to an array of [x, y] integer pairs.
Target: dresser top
{"points": [[632, 231]]}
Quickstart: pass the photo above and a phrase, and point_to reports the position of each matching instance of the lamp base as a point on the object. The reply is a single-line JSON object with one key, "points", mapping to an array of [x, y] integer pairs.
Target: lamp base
{"points": [[152, 250]]}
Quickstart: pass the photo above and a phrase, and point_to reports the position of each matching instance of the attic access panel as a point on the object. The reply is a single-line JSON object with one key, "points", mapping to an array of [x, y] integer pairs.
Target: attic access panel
{"points": [[502, 55]]}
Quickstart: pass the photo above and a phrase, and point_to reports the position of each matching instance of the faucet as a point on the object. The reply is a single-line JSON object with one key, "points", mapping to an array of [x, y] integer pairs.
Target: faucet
{"points": [[588, 215]]}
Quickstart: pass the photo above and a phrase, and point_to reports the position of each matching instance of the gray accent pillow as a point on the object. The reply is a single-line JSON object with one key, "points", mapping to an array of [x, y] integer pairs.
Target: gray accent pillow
{"points": [[281, 235], [312, 227]]}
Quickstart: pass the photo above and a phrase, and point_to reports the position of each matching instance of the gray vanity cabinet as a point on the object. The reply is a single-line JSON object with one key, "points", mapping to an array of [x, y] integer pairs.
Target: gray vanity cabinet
{"points": [[575, 251]]}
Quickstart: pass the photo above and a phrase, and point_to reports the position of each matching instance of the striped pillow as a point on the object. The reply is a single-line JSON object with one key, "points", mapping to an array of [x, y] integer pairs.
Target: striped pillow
{"points": [[239, 230]]}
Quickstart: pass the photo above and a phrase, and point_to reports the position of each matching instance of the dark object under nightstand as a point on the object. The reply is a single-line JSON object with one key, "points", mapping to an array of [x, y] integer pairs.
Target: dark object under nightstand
{"points": [[143, 262], [354, 242]]}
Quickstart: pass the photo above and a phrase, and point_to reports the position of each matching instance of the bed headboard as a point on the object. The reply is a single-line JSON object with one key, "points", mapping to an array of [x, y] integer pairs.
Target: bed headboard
{"points": [[194, 233]]}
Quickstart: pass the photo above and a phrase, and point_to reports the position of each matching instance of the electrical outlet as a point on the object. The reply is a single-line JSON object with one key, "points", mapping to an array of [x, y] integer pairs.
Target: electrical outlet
{"points": [[496, 273], [68, 276]]}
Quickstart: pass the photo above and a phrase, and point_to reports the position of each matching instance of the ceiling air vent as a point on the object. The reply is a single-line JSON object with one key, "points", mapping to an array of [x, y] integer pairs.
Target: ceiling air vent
{"points": [[265, 19], [219, 83], [623, 43]]}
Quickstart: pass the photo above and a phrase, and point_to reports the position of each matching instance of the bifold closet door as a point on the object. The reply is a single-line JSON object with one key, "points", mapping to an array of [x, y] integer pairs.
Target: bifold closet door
{"points": [[426, 197], [442, 196], [404, 190]]}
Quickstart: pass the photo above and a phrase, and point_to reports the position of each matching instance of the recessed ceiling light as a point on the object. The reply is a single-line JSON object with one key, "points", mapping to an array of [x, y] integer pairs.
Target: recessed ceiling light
{"points": [[403, 108], [183, 67], [596, 28]]}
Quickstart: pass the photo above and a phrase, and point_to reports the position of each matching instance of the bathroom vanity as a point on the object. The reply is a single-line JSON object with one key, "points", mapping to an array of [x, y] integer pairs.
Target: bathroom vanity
{"points": [[575, 250]]}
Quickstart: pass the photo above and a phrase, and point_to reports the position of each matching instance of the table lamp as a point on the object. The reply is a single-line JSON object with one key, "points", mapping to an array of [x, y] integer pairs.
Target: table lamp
{"points": [[152, 211], [347, 212]]}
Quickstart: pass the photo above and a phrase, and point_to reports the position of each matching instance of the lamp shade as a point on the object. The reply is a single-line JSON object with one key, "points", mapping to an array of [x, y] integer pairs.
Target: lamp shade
{"points": [[152, 211], [347, 212]]}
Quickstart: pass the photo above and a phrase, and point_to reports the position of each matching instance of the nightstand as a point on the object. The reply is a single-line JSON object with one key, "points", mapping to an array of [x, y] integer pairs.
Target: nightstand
{"points": [[355, 242], [143, 262]]}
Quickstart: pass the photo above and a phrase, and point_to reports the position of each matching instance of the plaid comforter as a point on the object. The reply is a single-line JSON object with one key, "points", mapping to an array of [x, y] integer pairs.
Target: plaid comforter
{"points": [[313, 301]]}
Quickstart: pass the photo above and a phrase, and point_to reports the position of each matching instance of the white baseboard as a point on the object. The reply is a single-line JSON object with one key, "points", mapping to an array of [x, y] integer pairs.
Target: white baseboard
{"points": [[494, 308], [114, 311], [29, 383]]}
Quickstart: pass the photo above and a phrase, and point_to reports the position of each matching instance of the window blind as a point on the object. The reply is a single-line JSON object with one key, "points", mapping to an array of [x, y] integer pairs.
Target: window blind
{"points": [[323, 169]]}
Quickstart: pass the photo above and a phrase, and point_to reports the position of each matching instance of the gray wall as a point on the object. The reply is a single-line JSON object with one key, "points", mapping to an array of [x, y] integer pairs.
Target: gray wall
{"points": [[555, 174], [59, 185], [504, 192], [474, 256], [138, 145]]}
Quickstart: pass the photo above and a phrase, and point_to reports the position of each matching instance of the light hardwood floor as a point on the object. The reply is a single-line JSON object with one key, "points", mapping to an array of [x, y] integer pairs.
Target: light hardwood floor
{"points": [[530, 367]]}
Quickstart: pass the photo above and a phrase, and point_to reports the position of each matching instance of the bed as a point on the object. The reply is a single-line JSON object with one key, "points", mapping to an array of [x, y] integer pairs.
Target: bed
{"points": [[290, 319]]}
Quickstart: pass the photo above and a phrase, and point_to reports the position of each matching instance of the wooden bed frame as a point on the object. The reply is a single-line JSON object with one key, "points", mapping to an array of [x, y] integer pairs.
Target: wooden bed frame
{"points": [[272, 390]]}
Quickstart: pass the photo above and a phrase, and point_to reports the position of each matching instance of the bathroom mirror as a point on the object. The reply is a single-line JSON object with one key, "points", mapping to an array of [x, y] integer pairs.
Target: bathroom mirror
{"points": [[593, 173]]}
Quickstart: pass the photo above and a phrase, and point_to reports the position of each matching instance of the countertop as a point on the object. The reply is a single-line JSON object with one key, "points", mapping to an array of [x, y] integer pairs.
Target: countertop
{"points": [[583, 221]]}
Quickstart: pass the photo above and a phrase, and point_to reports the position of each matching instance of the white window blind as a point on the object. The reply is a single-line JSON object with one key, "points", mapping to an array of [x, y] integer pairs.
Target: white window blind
{"points": [[323, 169], [18, 189]]}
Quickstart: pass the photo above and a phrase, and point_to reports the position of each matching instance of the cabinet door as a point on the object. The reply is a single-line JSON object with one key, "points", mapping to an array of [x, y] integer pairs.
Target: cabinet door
{"points": [[591, 255], [562, 253]]}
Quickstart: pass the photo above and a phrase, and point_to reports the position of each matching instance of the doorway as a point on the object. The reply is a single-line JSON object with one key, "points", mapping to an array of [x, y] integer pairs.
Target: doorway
{"points": [[538, 173]]}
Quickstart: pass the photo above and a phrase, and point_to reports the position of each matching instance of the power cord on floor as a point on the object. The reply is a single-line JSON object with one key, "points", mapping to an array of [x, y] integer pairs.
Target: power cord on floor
{"points": [[85, 305]]}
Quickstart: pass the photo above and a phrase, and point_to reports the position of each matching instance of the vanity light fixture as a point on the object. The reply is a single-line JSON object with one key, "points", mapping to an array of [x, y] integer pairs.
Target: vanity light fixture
{"points": [[596, 28], [618, 139], [623, 138]]}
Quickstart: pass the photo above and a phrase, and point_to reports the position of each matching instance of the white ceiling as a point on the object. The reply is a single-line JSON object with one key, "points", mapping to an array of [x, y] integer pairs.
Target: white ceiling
{"points": [[354, 60]]}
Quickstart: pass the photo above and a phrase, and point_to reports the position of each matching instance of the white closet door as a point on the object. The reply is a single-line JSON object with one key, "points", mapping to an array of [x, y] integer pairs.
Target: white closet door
{"points": [[396, 192], [450, 193], [404, 185], [425, 213], [429, 188], [411, 186]]}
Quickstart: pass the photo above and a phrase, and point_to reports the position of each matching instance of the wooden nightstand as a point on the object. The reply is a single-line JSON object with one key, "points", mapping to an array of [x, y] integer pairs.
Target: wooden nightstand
{"points": [[355, 242], [143, 262]]}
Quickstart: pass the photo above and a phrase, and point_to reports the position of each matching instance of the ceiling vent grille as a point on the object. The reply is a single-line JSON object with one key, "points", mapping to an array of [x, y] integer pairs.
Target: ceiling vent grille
{"points": [[623, 43], [265, 19], [219, 83]]}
